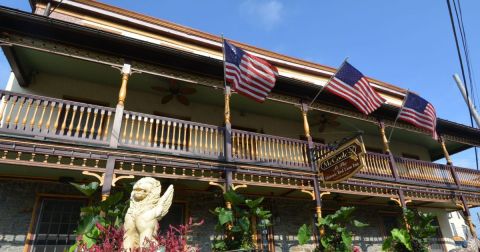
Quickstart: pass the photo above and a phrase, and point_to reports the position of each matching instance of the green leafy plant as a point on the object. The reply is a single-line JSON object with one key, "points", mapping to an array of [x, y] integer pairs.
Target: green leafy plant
{"points": [[336, 234], [416, 237], [106, 214], [304, 234], [234, 226]]}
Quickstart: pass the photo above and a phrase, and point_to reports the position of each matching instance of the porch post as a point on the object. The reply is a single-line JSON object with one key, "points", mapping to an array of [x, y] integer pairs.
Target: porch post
{"points": [[445, 151], [108, 178], [122, 94], [403, 205], [117, 124], [386, 150], [228, 186], [468, 217], [316, 184], [228, 126]]}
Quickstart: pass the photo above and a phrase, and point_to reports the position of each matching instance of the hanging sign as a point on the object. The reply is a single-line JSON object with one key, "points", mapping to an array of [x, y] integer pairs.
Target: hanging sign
{"points": [[343, 162]]}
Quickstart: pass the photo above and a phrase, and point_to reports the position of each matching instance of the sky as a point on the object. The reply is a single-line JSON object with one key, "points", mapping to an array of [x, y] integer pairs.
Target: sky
{"points": [[406, 43]]}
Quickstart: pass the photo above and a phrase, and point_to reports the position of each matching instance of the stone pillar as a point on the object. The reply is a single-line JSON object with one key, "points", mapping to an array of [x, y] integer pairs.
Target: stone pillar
{"points": [[468, 217]]}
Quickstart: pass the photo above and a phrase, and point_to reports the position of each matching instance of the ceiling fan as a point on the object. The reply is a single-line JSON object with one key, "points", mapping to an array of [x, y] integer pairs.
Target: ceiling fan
{"points": [[325, 119], [175, 91]]}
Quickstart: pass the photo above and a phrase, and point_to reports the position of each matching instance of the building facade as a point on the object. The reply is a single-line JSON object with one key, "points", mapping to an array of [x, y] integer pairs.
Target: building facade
{"points": [[99, 93]]}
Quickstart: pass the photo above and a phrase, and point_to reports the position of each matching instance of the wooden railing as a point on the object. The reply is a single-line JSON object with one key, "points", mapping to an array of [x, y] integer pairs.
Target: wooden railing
{"points": [[59, 119], [377, 164], [423, 171], [54, 118], [272, 150], [143, 131], [468, 177]]}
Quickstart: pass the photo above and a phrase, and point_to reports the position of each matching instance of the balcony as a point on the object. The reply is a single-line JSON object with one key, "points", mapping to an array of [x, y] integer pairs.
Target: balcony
{"points": [[59, 120]]}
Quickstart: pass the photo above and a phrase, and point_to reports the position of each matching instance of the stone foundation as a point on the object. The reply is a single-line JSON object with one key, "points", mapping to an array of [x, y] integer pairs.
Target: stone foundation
{"points": [[17, 199]]}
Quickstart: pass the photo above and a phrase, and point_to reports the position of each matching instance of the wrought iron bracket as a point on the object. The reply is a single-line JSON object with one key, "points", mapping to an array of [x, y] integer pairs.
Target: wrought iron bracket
{"points": [[101, 178]]}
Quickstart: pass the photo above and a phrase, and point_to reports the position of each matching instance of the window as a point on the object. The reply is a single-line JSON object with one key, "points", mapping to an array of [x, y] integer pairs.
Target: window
{"points": [[454, 230], [175, 217], [389, 222], [57, 219]]}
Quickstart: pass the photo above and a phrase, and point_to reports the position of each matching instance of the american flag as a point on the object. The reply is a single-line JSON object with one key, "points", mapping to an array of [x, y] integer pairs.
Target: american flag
{"points": [[419, 112], [350, 84], [248, 75]]}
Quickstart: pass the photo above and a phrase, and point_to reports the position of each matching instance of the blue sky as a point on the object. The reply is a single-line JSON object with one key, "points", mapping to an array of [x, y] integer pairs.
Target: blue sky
{"points": [[407, 43]]}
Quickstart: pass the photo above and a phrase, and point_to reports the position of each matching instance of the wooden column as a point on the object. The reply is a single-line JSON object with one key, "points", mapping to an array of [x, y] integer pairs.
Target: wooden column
{"points": [[445, 151], [228, 126], [108, 178], [122, 95], [403, 205], [228, 186], [311, 146], [468, 217], [386, 150], [117, 124]]}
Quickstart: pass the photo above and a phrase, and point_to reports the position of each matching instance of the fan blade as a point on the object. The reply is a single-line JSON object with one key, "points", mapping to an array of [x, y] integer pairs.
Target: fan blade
{"points": [[183, 100], [173, 85], [167, 98], [187, 90], [161, 89]]}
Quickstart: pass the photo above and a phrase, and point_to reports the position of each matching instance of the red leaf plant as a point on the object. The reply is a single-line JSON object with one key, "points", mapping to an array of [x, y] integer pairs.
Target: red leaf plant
{"points": [[174, 240]]}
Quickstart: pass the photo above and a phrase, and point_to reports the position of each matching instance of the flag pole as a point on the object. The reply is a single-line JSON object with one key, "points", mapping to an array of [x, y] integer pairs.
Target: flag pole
{"points": [[323, 87], [396, 119]]}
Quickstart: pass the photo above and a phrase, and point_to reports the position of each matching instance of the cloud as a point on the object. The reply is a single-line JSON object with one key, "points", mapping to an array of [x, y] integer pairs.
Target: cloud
{"points": [[267, 13]]}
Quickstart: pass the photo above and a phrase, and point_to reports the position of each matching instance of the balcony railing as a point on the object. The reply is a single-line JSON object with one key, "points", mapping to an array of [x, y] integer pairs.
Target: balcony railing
{"points": [[64, 120], [155, 133], [55, 118]]}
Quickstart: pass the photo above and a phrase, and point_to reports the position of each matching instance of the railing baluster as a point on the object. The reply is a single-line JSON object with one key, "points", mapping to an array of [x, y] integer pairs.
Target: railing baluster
{"points": [[145, 121], [125, 126], [100, 125], [25, 116], [167, 139], [9, 117], [85, 128], [79, 124], [157, 123], [5, 101], [92, 129], [70, 127], [132, 125], [19, 110], [137, 132], [150, 137]]}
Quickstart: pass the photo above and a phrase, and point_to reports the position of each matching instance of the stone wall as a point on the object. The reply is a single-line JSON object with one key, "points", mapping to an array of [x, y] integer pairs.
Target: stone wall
{"points": [[17, 199]]}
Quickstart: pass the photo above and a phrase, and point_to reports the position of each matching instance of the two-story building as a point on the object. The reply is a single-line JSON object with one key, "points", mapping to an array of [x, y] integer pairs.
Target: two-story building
{"points": [[99, 93]]}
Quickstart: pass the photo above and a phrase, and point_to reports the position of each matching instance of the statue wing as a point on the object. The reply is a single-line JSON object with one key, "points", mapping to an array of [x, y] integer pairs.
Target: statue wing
{"points": [[165, 202]]}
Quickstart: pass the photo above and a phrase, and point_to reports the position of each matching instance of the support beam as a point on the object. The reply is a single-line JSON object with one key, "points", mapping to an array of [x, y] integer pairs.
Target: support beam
{"points": [[468, 217], [23, 78]]}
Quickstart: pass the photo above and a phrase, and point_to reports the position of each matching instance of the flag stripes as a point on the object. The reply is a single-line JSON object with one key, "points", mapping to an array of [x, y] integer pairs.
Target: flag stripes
{"points": [[248, 74], [352, 86]]}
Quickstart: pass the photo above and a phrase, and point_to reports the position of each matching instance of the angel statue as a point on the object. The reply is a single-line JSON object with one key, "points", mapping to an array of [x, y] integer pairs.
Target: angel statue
{"points": [[146, 209]]}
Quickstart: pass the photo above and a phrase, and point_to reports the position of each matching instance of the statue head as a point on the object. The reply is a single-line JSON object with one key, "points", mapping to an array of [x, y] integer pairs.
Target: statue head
{"points": [[147, 189]]}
